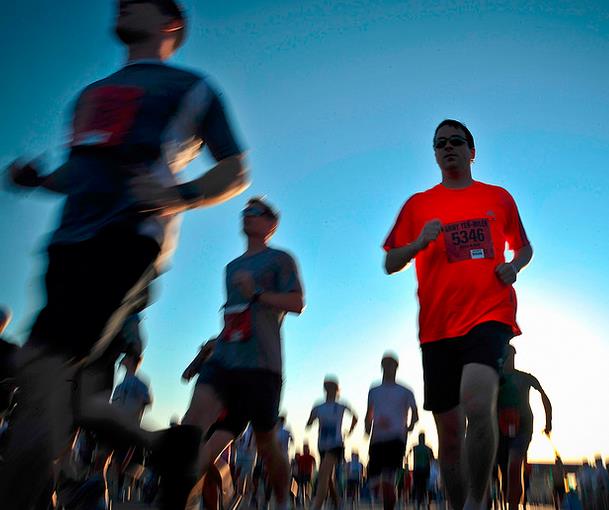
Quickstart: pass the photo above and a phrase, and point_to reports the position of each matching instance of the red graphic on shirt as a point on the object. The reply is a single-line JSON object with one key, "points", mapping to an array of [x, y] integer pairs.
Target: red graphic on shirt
{"points": [[509, 421], [469, 239], [237, 324], [105, 114]]}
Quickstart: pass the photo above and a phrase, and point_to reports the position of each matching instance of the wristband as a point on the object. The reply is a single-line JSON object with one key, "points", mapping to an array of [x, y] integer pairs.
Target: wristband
{"points": [[256, 297]]}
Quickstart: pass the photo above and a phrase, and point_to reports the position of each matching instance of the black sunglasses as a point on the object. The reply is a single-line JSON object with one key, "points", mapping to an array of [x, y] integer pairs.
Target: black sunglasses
{"points": [[455, 141], [256, 210]]}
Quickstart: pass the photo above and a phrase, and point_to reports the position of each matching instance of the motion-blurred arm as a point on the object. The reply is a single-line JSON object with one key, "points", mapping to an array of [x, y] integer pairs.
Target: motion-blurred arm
{"points": [[28, 176]]}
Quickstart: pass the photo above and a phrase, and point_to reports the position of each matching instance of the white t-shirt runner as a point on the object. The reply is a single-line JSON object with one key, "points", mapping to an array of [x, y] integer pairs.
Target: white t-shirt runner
{"points": [[390, 404], [330, 416]]}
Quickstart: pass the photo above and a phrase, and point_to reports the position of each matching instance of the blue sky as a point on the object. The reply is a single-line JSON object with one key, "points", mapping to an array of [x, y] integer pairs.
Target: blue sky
{"points": [[337, 103]]}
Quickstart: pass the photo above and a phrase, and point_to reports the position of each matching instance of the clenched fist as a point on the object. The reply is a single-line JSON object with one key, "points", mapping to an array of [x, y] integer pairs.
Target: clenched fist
{"points": [[429, 233], [506, 273]]}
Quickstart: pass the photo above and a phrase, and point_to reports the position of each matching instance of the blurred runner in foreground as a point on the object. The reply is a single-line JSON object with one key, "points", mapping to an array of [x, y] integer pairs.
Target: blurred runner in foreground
{"points": [[131, 132]]}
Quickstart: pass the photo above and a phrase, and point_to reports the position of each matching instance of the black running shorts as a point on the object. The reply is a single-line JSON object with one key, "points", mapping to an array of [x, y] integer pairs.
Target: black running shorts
{"points": [[248, 395], [386, 456], [443, 361], [86, 285]]}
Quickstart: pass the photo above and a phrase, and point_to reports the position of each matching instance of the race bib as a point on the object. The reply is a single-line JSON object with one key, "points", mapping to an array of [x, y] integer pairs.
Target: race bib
{"points": [[105, 115], [468, 240], [237, 323]]}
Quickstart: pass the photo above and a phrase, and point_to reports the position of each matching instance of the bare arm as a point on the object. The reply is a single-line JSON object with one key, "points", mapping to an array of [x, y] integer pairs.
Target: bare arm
{"points": [[414, 416], [204, 353], [311, 420], [224, 181], [368, 419], [28, 176], [398, 258], [508, 271], [353, 421], [522, 257], [287, 301], [227, 179], [547, 406]]}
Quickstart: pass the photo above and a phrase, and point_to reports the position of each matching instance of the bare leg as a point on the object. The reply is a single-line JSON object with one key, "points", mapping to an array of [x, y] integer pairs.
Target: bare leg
{"points": [[205, 407], [323, 479], [211, 485], [333, 491], [276, 463], [451, 434], [479, 386], [389, 496], [515, 481]]}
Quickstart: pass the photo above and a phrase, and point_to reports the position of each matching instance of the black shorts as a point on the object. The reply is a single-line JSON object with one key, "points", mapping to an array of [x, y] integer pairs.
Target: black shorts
{"points": [[385, 456], [248, 395], [338, 452], [420, 482], [353, 487], [86, 288], [303, 479], [443, 362]]}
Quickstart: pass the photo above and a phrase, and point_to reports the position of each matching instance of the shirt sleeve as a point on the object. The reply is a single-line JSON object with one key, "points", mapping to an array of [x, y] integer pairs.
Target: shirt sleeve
{"points": [[515, 234], [402, 232], [314, 412], [216, 132], [288, 279], [410, 400]]}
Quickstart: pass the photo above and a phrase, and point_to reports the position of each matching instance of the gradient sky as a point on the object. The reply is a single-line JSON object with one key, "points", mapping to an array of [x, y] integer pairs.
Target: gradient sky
{"points": [[337, 102]]}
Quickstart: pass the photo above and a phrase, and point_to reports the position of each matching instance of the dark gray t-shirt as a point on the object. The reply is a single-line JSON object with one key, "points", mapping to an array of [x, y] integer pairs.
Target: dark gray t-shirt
{"points": [[252, 336], [150, 119]]}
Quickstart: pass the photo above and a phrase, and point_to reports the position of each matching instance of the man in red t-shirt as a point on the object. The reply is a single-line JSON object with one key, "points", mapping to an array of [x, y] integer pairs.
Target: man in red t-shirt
{"points": [[457, 232], [306, 464]]}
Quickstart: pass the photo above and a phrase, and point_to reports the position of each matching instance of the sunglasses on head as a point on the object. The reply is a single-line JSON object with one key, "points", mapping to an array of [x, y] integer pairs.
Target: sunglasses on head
{"points": [[256, 211], [455, 141]]}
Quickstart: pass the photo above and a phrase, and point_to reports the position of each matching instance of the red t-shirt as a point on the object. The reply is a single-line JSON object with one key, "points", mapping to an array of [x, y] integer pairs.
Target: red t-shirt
{"points": [[305, 464], [458, 287]]}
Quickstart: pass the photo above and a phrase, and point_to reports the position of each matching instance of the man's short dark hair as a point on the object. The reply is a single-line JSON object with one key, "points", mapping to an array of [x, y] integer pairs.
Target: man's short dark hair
{"points": [[268, 208], [458, 125], [169, 8]]}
